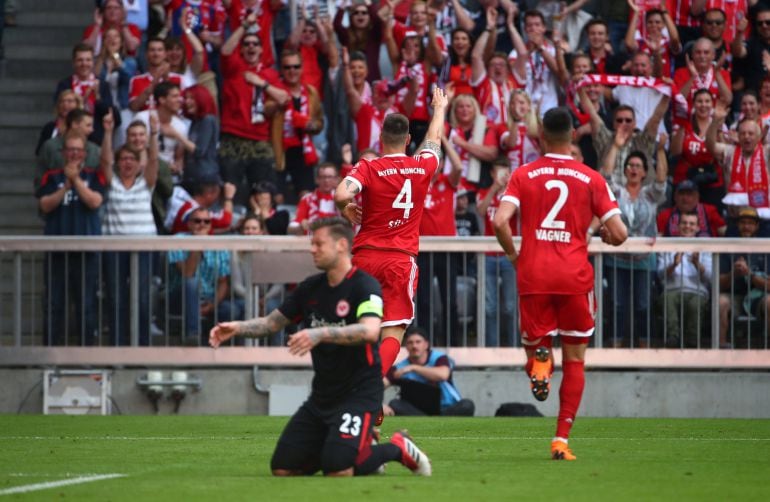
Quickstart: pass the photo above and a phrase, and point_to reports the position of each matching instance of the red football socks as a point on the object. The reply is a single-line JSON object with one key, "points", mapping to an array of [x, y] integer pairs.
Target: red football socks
{"points": [[389, 348], [571, 391]]}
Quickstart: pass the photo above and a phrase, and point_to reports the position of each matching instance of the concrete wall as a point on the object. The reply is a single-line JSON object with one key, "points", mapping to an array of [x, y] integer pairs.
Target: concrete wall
{"points": [[608, 393]]}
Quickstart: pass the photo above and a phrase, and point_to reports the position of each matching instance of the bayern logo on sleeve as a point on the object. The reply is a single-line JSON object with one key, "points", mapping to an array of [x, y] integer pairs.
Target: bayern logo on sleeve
{"points": [[343, 308]]}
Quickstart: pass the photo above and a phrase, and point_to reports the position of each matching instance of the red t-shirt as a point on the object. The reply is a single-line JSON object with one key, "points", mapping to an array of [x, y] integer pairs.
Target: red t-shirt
{"points": [[241, 100], [312, 74], [709, 81], [493, 99], [401, 31], [237, 12], [139, 83], [525, 150], [680, 12], [694, 153], [314, 206], [393, 190], [557, 198], [369, 126], [438, 217], [489, 218]]}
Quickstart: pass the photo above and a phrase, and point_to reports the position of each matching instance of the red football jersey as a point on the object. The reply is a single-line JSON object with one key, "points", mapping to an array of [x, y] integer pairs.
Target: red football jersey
{"points": [[393, 190], [314, 206], [557, 197], [139, 83], [439, 215]]}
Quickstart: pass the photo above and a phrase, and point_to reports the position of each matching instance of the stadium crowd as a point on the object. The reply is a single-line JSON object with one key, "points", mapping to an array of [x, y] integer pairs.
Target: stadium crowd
{"points": [[215, 116]]}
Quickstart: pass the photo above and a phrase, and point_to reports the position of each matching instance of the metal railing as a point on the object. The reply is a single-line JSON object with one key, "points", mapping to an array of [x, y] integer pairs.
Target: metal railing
{"points": [[123, 291]]}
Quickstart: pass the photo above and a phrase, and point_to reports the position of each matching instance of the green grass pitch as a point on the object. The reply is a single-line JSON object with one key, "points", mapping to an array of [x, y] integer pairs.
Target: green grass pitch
{"points": [[227, 458]]}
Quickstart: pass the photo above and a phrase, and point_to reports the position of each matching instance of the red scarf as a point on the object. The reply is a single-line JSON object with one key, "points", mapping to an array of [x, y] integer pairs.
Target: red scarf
{"points": [[612, 80], [86, 89], [750, 182]]}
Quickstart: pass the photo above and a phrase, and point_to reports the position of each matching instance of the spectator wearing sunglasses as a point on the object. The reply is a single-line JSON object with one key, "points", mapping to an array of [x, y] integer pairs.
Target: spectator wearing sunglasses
{"points": [[199, 281]]}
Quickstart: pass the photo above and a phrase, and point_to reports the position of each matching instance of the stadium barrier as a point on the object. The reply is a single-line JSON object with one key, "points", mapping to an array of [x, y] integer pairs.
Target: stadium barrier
{"points": [[29, 268]]}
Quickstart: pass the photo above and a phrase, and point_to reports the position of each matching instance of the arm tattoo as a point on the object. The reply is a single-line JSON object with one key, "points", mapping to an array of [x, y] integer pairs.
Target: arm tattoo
{"points": [[433, 147], [352, 187], [353, 334], [263, 326]]}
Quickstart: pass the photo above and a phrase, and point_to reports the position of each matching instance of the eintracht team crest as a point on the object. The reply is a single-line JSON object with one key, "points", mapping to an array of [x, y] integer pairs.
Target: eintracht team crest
{"points": [[343, 307]]}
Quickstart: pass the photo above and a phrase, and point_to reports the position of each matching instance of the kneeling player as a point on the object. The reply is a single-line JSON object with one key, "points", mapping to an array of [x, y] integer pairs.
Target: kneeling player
{"points": [[340, 310]]}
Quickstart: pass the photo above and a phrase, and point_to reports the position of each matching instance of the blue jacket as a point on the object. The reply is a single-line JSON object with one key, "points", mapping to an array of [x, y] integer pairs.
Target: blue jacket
{"points": [[449, 394]]}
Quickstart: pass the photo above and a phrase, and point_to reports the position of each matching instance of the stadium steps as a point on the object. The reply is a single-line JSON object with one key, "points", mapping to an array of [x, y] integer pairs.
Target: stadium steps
{"points": [[38, 53]]}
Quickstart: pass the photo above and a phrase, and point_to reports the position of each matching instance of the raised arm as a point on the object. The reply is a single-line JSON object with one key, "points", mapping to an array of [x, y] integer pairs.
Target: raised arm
{"points": [[712, 145], [196, 63], [436, 126], [630, 39], [235, 37], [153, 163], [478, 63], [651, 127], [354, 99], [588, 107], [522, 54], [661, 166], [464, 21], [738, 46], [106, 157], [674, 42], [455, 175]]}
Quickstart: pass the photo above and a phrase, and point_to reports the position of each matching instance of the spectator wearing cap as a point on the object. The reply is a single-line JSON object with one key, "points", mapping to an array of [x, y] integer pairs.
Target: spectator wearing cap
{"points": [[687, 200], [204, 194], [251, 94], [199, 282], [364, 34], [743, 281], [430, 367], [263, 203], [686, 277], [745, 167], [368, 105]]}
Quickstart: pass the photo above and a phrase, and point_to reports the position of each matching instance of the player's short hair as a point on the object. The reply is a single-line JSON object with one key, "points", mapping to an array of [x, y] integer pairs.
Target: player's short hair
{"points": [[557, 126], [81, 47], [339, 228], [395, 129], [162, 89], [76, 115], [689, 213]]}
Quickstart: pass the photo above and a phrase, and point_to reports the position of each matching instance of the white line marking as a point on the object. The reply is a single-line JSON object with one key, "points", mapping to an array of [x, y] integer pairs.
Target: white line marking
{"points": [[430, 438], [56, 484]]}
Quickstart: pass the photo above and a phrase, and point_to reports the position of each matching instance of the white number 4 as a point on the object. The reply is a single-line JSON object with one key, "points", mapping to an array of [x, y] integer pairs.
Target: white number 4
{"points": [[404, 199], [550, 220], [350, 424]]}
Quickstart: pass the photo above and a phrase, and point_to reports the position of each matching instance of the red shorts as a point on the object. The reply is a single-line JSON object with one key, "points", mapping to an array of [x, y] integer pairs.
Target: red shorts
{"points": [[397, 274], [551, 315]]}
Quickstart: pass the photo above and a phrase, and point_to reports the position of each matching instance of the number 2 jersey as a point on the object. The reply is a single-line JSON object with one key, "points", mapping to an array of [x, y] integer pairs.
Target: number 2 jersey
{"points": [[557, 197], [341, 371], [393, 190]]}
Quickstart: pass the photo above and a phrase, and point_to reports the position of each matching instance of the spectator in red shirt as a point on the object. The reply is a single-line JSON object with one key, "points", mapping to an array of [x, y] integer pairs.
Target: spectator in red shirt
{"points": [[295, 124], [256, 17], [315, 42], [112, 15], [251, 94], [457, 69], [702, 72], [661, 48], [319, 203], [686, 201], [141, 88]]}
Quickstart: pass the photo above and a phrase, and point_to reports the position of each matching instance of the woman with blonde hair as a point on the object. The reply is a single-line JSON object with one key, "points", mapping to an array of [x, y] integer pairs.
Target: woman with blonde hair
{"points": [[66, 101], [473, 138], [115, 67], [518, 138]]}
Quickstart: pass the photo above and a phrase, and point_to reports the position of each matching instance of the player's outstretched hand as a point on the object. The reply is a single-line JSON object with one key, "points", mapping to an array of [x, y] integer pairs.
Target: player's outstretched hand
{"points": [[301, 342], [222, 332], [439, 100], [353, 213]]}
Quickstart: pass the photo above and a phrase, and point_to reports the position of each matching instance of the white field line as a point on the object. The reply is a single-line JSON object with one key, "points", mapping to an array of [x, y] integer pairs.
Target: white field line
{"points": [[56, 484], [429, 438]]}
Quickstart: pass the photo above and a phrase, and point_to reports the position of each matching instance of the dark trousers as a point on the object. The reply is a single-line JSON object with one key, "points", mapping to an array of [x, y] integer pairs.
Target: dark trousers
{"points": [[117, 274], [445, 328], [72, 280], [462, 408]]}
